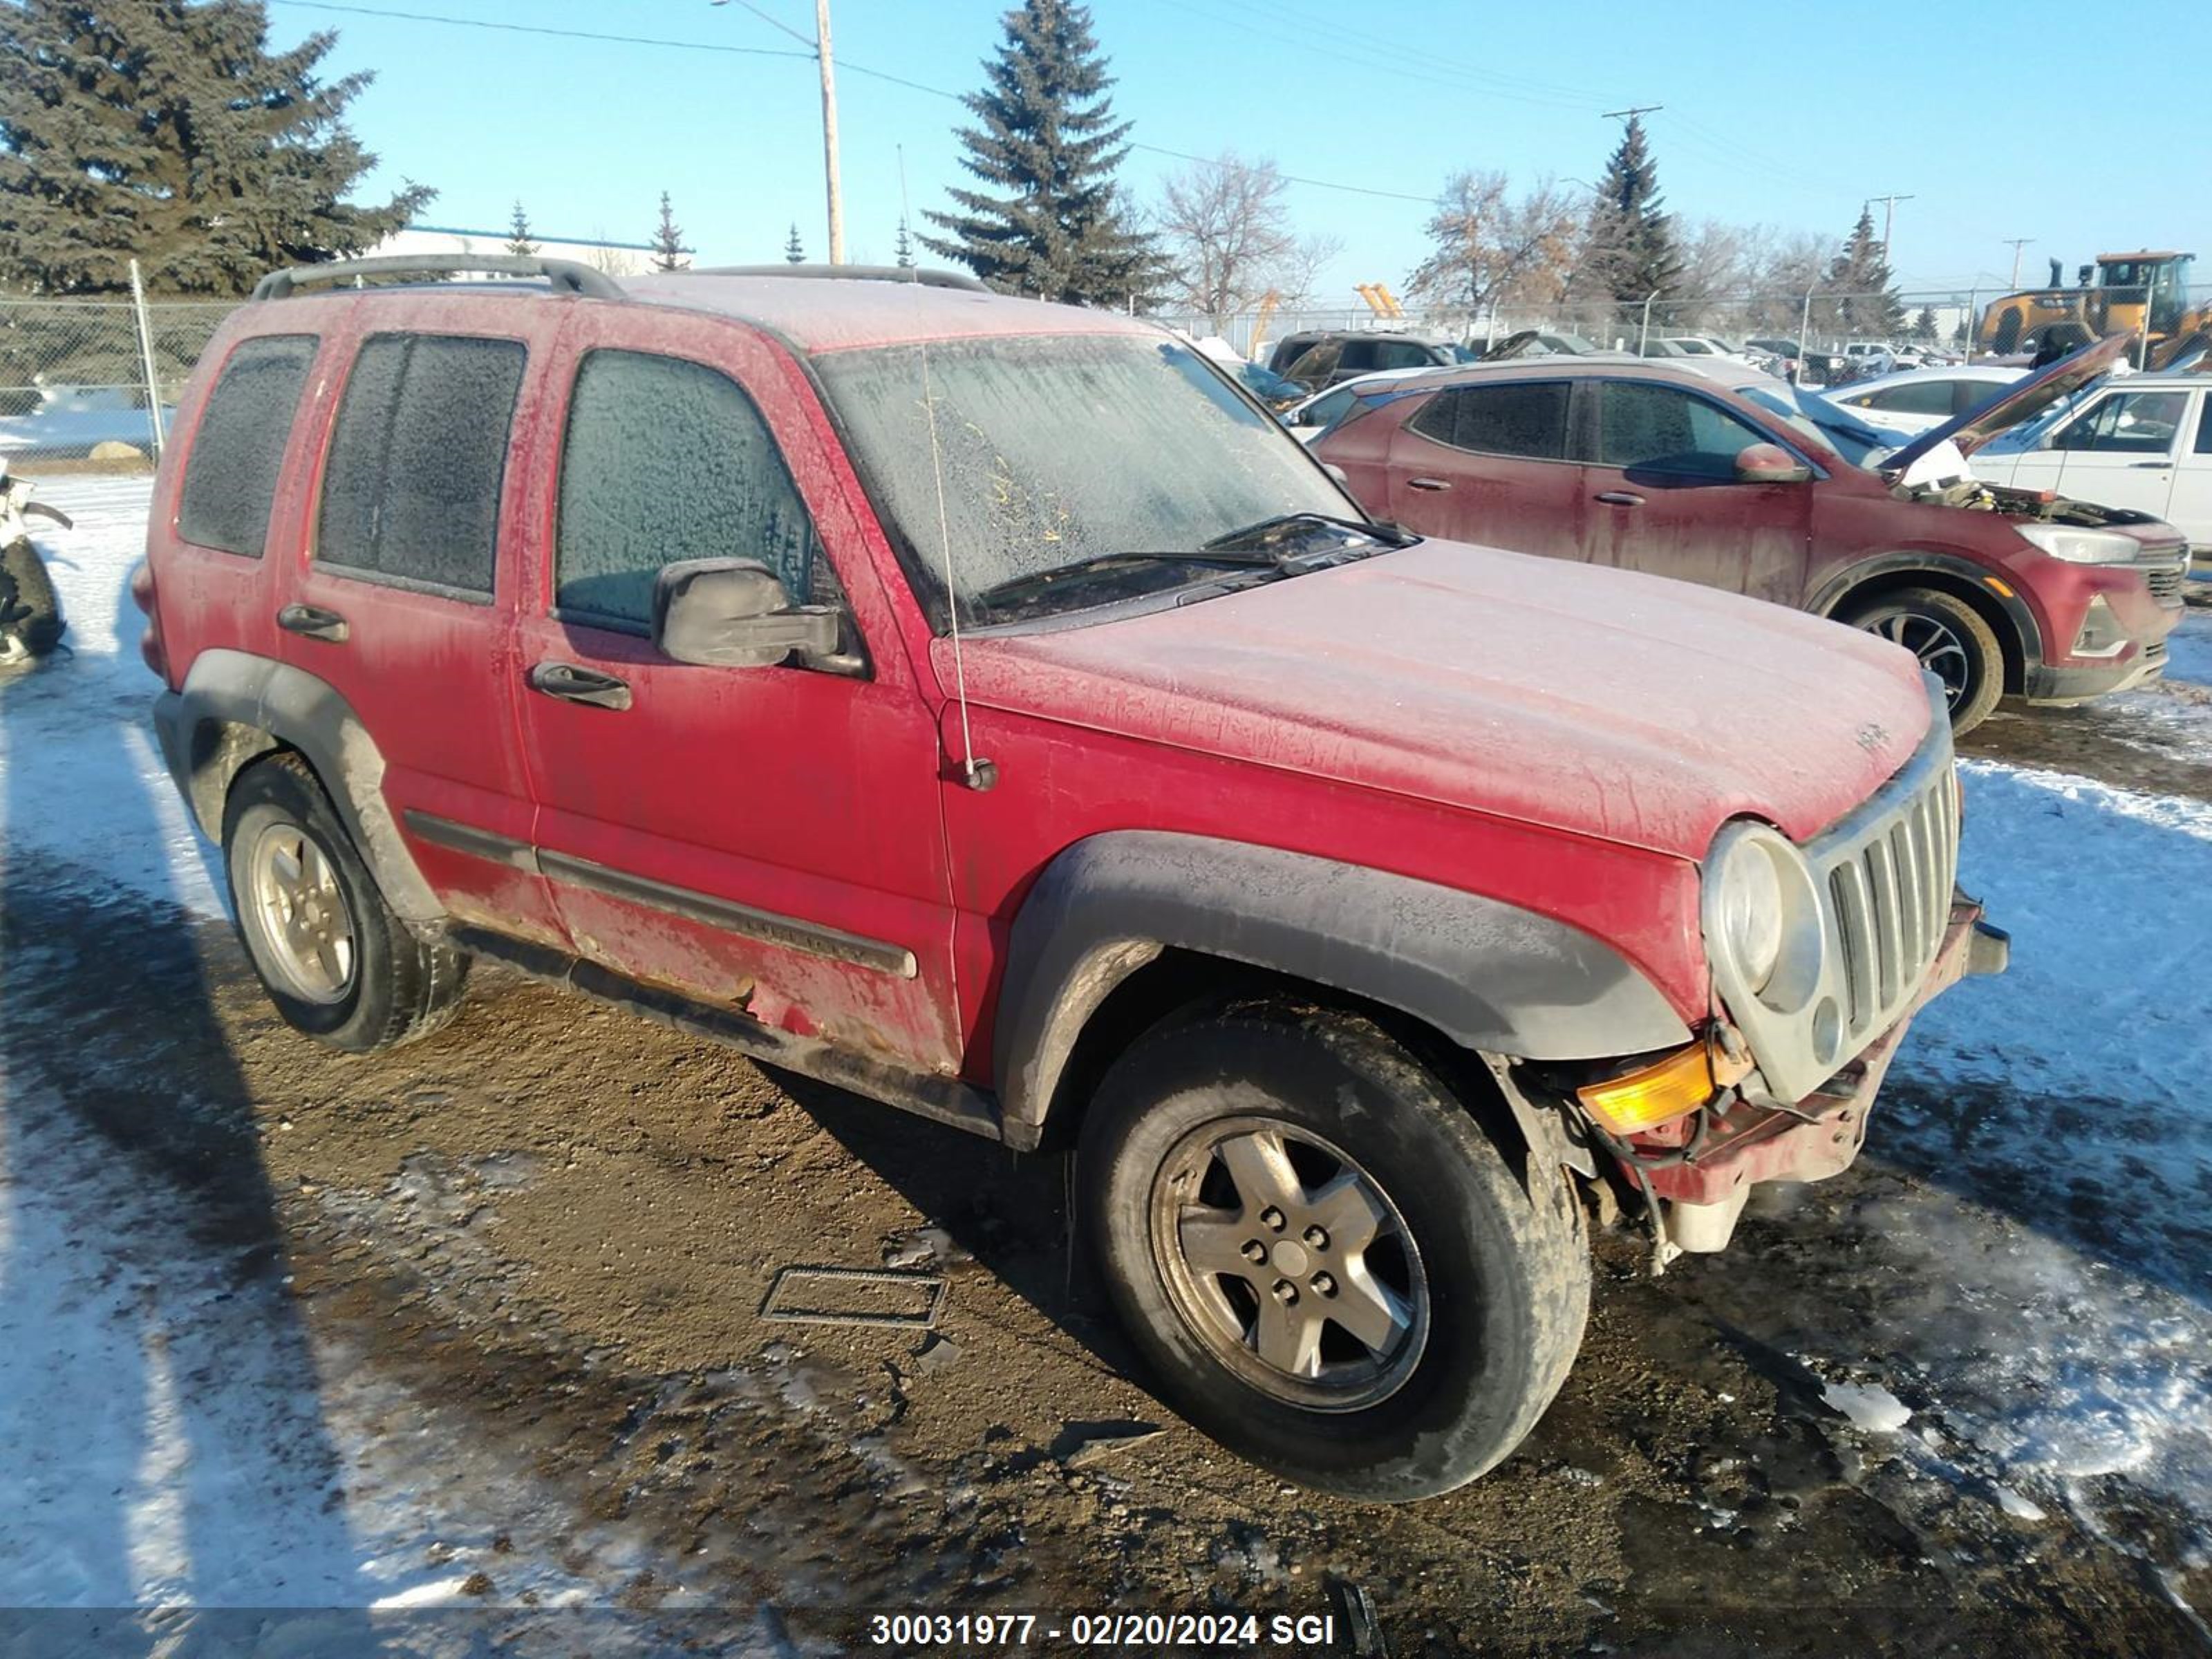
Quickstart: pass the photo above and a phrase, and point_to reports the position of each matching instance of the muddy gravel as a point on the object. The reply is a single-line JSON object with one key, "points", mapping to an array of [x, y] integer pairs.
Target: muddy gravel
{"points": [[556, 1225]]}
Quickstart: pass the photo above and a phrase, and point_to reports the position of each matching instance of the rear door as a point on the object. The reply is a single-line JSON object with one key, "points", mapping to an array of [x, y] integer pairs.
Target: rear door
{"points": [[2190, 508], [768, 839], [404, 605], [1489, 465], [1663, 496]]}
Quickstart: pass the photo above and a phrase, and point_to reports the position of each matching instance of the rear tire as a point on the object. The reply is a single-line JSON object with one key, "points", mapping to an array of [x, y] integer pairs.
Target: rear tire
{"points": [[30, 611], [1952, 641], [336, 961], [1370, 1195]]}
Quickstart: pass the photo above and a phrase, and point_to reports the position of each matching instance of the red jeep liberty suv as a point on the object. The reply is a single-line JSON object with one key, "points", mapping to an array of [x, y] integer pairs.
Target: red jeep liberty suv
{"points": [[985, 706]]}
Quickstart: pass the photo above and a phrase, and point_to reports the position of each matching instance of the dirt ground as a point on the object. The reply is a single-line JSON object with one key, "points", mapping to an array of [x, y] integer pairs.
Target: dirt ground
{"points": [[559, 1222]]}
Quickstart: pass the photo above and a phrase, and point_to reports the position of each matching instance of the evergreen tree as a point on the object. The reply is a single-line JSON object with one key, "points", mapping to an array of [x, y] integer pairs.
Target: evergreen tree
{"points": [[904, 246], [1051, 222], [1923, 326], [170, 131], [517, 235], [667, 240], [1629, 253], [793, 254], [1865, 306]]}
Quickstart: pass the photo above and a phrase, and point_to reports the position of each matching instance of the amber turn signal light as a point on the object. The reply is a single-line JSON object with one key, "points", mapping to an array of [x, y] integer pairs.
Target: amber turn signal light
{"points": [[1653, 1094]]}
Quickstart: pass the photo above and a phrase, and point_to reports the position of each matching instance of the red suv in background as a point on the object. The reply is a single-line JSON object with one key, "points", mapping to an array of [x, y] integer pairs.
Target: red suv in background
{"points": [[986, 707], [1652, 468]]}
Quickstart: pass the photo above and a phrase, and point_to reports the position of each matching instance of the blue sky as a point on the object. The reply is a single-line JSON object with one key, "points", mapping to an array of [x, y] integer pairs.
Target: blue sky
{"points": [[1790, 123]]}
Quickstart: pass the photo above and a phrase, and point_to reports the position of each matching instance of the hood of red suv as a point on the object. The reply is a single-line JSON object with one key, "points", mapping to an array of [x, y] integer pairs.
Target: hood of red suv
{"points": [[1593, 700]]}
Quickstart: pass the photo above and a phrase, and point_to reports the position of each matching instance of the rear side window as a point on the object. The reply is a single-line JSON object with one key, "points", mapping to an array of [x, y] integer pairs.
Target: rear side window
{"points": [[2204, 429], [412, 486], [666, 460], [1527, 418], [1402, 354], [230, 477], [1918, 397]]}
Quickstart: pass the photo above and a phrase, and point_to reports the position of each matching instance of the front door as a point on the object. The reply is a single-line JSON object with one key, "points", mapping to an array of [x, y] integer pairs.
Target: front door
{"points": [[763, 838], [1663, 496], [1488, 465], [402, 603], [2122, 450]]}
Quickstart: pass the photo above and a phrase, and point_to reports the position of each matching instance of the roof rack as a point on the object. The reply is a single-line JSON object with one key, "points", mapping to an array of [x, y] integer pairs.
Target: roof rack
{"points": [[843, 273], [566, 275]]}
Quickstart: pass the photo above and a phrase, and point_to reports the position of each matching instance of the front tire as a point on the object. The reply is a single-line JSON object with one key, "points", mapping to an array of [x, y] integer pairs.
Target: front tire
{"points": [[336, 961], [1330, 1266], [1951, 640]]}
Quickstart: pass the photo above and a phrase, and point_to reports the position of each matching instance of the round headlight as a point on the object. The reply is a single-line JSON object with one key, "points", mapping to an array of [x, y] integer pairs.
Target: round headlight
{"points": [[1746, 901], [1765, 935]]}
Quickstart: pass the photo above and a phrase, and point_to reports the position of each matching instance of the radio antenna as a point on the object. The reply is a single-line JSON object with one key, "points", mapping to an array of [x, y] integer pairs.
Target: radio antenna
{"points": [[975, 775]]}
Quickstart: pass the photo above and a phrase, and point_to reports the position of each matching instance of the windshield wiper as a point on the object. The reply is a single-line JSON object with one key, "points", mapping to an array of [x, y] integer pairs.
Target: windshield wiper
{"points": [[1041, 581], [1390, 535]]}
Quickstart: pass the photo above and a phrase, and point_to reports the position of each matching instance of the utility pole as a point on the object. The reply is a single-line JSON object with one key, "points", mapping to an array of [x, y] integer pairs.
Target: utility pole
{"points": [[1631, 114], [820, 46], [1888, 213], [2015, 243], [830, 131]]}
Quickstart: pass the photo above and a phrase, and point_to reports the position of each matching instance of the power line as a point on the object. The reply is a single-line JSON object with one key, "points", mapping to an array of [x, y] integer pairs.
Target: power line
{"points": [[539, 28], [845, 64]]}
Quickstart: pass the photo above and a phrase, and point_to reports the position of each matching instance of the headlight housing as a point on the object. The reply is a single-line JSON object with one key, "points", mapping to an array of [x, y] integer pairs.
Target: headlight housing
{"points": [[1764, 937], [2078, 546]]}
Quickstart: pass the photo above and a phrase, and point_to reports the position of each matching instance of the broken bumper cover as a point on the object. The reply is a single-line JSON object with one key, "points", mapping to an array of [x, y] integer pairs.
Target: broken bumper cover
{"points": [[1745, 1145]]}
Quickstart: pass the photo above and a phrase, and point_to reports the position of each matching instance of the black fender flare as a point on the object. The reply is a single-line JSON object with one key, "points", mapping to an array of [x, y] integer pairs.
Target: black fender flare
{"points": [[235, 707], [1492, 977], [1839, 587]]}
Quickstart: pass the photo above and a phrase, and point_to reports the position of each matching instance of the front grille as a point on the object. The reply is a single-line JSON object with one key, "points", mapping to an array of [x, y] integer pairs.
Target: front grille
{"points": [[2167, 586], [1889, 900], [1882, 879]]}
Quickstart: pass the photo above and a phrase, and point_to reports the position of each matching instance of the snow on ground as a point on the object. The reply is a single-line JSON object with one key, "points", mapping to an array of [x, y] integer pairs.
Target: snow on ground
{"points": [[171, 1436], [91, 787], [2046, 1275], [2188, 648]]}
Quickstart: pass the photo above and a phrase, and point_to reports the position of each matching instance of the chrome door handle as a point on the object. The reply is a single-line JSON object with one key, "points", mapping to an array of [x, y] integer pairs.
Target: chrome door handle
{"points": [[2159, 466], [1428, 484], [1620, 498], [571, 683]]}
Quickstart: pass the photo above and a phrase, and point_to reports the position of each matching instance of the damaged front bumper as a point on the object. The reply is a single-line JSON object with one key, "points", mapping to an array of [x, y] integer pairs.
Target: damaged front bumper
{"points": [[1702, 1168]]}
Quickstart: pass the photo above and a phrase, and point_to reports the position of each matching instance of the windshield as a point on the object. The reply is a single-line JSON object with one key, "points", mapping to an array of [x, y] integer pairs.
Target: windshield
{"points": [[1060, 451]]}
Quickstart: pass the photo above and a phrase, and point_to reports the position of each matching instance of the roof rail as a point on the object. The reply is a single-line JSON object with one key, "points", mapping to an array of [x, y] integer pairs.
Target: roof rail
{"points": [[566, 275], [843, 273]]}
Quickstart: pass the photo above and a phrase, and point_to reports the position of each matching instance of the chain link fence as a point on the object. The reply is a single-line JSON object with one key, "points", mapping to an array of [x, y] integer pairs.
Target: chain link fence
{"points": [[75, 374], [1815, 330]]}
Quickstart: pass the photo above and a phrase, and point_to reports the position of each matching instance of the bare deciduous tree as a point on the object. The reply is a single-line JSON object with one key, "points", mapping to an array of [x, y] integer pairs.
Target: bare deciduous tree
{"points": [[1227, 236], [1297, 275], [1491, 248]]}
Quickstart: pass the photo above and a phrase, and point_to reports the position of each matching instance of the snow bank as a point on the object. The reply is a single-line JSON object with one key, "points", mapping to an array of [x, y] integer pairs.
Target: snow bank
{"points": [[84, 779]]}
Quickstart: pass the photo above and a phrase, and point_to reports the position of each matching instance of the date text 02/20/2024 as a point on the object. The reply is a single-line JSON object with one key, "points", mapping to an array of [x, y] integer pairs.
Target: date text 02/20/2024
{"points": [[1145, 1631]]}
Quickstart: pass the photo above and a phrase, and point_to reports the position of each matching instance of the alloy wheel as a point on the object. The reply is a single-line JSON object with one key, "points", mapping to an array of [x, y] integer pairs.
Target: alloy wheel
{"points": [[299, 914], [1290, 1263]]}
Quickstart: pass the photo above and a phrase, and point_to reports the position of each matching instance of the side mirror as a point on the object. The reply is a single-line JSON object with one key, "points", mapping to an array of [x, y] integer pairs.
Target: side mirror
{"points": [[1769, 463], [733, 613]]}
